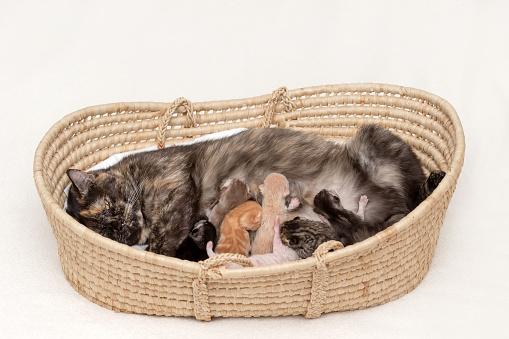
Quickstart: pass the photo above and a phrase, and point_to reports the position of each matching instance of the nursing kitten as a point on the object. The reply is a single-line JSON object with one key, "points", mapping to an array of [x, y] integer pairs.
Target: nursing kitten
{"points": [[156, 197], [280, 253], [234, 236], [304, 236], [234, 193], [194, 246], [275, 189]]}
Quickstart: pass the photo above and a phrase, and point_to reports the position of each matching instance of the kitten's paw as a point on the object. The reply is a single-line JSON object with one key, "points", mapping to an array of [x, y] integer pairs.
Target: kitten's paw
{"points": [[294, 204], [363, 200], [209, 247]]}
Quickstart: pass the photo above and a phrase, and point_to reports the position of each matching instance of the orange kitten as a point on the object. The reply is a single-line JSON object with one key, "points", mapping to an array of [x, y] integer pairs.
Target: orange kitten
{"points": [[234, 236], [275, 189]]}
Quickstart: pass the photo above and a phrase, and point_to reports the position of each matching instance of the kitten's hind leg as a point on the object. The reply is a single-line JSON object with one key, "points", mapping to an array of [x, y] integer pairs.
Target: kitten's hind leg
{"points": [[363, 201], [210, 252]]}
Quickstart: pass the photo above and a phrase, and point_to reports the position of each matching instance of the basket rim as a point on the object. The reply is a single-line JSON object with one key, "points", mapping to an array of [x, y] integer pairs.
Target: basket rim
{"points": [[193, 267]]}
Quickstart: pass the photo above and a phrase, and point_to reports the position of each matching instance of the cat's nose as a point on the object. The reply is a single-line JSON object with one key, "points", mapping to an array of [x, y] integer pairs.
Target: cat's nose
{"points": [[121, 226]]}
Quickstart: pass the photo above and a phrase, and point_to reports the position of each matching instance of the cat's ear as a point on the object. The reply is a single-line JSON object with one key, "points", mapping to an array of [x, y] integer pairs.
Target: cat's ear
{"points": [[81, 180]]}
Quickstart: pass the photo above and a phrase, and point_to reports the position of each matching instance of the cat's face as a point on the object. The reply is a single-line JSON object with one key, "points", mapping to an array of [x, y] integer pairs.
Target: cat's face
{"points": [[304, 236], [106, 203]]}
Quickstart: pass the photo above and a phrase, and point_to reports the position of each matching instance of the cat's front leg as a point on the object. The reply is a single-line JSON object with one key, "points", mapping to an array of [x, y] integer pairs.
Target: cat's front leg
{"points": [[173, 219]]}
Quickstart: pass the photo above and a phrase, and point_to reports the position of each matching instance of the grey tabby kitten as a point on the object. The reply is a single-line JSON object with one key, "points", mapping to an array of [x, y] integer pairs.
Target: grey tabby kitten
{"points": [[156, 197]]}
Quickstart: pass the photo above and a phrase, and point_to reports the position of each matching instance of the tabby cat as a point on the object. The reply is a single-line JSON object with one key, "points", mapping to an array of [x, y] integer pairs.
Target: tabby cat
{"points": [[156, 197]]}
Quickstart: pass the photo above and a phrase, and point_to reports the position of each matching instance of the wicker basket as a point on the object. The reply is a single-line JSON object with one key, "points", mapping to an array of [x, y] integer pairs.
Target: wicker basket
{"points": [[375, 271]]}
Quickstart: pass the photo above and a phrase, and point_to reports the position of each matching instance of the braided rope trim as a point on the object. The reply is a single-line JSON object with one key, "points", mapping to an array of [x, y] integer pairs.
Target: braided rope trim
{"points": [[279, 95], [165, 118], [210, 268], [320, 279]]}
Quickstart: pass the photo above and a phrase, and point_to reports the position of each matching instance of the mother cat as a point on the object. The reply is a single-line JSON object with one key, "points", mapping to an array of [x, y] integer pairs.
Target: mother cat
{"points": [[156, 197]]}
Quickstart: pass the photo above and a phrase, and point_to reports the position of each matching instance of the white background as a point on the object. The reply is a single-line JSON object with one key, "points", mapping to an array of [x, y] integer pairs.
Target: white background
{"points": [[58, 57]]}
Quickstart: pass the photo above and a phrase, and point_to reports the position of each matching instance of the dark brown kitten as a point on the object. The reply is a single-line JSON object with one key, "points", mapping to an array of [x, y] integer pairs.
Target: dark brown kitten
{"points": [[156, 197], [233, 194]]}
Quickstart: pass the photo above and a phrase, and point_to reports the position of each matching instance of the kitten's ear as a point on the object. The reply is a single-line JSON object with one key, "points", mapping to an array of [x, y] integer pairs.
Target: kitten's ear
{"points": [[81, 180], [262, 188]]}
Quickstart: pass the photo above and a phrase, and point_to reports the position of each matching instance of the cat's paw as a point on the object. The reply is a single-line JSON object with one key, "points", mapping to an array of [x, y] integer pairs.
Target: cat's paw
{"points": [[363, 201]]}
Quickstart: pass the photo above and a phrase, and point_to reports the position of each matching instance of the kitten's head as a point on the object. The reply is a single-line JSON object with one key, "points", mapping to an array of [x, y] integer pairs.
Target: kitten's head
{"points": [[304, 236], [249, 215], [202, 232], [275, 184], [193, 248], [326, 202], [107, 203]]}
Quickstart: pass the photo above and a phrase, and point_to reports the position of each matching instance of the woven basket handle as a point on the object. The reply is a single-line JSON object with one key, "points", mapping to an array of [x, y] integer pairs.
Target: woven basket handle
{"points": [[210, 269], [279, 95], [320, 278], [166, 116]]}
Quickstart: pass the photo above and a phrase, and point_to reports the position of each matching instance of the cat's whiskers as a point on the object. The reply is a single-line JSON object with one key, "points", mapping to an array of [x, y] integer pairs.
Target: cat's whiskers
{"points": [[132, 199]]}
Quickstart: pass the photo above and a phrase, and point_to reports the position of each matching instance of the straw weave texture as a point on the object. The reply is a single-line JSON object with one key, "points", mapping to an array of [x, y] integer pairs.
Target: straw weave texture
{"points": [[375, 271]]}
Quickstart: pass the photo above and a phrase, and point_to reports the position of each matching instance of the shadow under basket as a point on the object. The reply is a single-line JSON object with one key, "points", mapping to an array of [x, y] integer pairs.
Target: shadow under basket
{"points": [[375, 271]]}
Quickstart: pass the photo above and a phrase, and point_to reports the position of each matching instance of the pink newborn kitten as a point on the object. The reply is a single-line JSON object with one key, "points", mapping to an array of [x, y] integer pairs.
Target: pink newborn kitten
{"points": [[275, 189]]}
